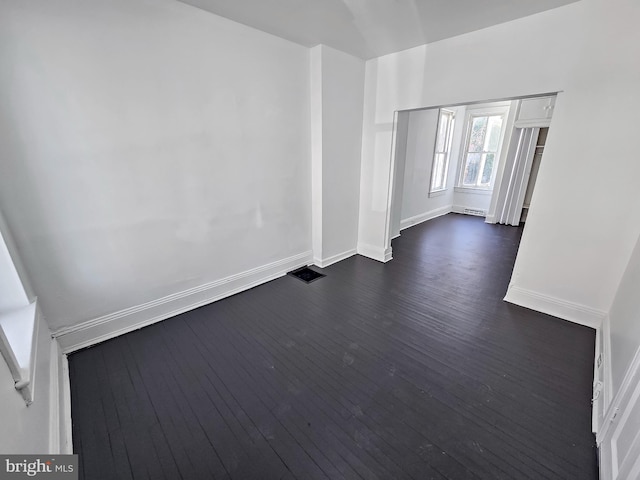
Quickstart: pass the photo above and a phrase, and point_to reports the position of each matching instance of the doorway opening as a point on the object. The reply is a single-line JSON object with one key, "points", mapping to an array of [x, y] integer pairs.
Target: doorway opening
{"points": [[480, 158]]}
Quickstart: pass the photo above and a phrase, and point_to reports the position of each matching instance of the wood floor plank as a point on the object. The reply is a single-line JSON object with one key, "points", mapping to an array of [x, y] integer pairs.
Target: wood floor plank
{"points": [[341, 403], [278, 405], [325, 412], [240, 451], [352, 381], [369, 362], [412, 369]]}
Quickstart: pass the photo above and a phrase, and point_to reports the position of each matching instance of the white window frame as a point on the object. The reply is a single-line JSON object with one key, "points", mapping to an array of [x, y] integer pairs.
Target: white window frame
{"points": [[472, 113], [18, 325], [446, 152]]}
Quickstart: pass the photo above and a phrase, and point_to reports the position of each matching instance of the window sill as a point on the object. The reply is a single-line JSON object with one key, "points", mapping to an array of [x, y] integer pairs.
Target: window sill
{"points": [[18, 332], [437, 193], [476, 191]]}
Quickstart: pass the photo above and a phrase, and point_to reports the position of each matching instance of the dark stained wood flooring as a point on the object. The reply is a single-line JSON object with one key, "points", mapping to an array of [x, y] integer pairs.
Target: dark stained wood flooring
{"points": [[414, 369]]}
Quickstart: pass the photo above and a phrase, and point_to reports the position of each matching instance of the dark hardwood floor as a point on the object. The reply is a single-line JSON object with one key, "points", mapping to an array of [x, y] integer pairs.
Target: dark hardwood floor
{"points": [[412, 369]]}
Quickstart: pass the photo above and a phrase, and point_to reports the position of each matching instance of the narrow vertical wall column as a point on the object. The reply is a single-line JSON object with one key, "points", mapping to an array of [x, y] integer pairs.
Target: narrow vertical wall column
{"points": [[402, 131], [315, 67], [393, 83], [337, 97]]}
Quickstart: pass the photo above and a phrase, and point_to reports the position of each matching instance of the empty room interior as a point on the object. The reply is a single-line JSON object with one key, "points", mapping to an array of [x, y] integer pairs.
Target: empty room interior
{"points": [[321, 240]]}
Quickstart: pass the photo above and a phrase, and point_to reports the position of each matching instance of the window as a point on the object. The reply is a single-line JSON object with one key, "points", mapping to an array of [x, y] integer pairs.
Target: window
{"points": [[441, 152], [18, 327], [482, 149]]}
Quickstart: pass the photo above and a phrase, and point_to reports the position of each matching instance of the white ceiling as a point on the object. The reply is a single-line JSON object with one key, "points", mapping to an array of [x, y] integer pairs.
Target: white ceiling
{"points": [[371, 28]]}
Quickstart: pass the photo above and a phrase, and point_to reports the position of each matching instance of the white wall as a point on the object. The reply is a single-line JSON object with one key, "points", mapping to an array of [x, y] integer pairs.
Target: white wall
{"points": [[421, 139], [581, 228], [471, 200], [579, 233], [438, 74], [624, 321], [417, 205], [148, 148], [12, 293], [337, 97], [617, 410], [15, 288]]}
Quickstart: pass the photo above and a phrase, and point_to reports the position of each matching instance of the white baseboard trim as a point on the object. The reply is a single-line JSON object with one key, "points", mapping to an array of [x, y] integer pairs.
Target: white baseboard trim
{"points": [[375, 253], [325, 262], [465, 210], [573, 312], [423, 217], [114, 324]]}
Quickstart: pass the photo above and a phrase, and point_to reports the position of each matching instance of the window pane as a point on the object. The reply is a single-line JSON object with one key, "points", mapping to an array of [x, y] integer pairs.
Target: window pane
{"points": [[437, 182], [443, 130], [478, 130], [488, 168], [471, 169], [493, 134]]}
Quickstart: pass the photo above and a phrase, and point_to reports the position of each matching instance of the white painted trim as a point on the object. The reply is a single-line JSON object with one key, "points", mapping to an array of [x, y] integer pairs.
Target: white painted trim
{"points": [[503, 109], [29, 392], [325, 262], [54, 398], [461, 209], [66, 426], [18, 346], [60, 426], [473, 191], [390, 192], [423, 217], [376, 253], [438, 193], [446, 151], [114, 324], [607, 393], [535, 123], [573, 312]]}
